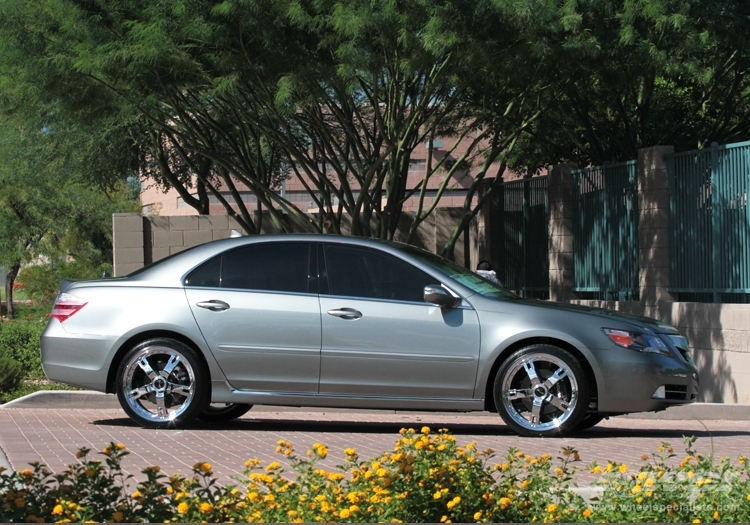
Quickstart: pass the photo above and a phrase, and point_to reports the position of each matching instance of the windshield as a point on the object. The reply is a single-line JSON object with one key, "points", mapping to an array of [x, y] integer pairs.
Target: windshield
{"points": [[458, 273]]}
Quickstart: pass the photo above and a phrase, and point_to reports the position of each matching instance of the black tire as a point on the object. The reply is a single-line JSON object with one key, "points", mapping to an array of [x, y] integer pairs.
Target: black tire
{"points": [[223, 412], [162, 383], [589, 420], [541, 390]]}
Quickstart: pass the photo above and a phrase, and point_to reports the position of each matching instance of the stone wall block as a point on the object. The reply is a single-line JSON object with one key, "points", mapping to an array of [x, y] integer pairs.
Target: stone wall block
{"points": [[196, 237], [168, 238], [213, 222], [189, 222]]}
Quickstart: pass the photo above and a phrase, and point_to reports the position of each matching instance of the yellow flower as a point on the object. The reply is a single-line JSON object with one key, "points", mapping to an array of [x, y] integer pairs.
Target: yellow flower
{"points": [[350, 452], [642, 476], [650, 482], [273, 466], [455, 501], [690, 474], [558, 471], [716, 515], [504, 502], [205, 507], [58, 510], [596, 470], [623, 468], [644, 457], [551, 508], [524, 484], [425, 430], [381, 472], [437, 495], [587, 513], [136, 494], [344, 513], [477, 516], [696, 520], [206, 468], [120, 446], [183, 507], [25, 473], [106, 451], [443, 519]]}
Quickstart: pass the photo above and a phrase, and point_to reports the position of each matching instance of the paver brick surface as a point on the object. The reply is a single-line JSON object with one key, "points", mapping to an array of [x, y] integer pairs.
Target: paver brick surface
{"points": [[52, 436]]}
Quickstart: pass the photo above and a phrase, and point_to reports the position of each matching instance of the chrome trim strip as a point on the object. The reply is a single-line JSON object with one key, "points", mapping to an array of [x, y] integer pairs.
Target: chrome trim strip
{"points": [[398, 356], [313, 395], [268, 349]]}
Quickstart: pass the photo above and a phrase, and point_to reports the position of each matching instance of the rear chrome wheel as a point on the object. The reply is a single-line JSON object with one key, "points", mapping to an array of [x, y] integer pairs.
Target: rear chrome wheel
{"points": [[223, 412], [541, 390], [161, 383]]}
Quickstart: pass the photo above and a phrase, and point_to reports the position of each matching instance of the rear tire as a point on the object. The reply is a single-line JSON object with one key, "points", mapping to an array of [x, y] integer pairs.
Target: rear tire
{"points": [[223, 412], [541, 390], [162, 383]]}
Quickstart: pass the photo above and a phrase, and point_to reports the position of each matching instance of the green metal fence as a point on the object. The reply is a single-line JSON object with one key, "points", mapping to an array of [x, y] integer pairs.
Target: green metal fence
{"points": [[524, 253], [605, 232], [709, 227]]}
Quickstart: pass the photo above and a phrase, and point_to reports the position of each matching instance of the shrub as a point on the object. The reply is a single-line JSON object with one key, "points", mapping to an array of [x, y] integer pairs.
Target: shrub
{"points": [[11, 374], [19, 340], [427, 478]]}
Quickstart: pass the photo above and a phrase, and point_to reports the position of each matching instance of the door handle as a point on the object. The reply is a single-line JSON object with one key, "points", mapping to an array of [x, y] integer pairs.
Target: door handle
{"points": [[345, 313], [213, 305]]}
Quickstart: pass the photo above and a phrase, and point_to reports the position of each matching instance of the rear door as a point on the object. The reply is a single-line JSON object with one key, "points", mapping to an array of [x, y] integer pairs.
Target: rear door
{"points": [[258, 309]]}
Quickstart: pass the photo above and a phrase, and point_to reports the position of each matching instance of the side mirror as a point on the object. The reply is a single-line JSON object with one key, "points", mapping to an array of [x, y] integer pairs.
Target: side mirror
{"points": [[437, 295]]}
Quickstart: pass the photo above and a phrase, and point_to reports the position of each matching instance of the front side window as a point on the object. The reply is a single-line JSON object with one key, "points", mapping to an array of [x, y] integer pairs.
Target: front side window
{"points": [[277, 267], [361, 272]]}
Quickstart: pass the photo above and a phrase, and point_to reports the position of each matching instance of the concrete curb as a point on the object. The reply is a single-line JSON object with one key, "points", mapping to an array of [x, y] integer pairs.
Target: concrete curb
{"points": [[87, 399]]}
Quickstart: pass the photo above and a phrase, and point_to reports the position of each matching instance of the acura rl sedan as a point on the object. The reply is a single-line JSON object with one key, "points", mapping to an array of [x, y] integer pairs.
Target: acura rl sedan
{"points": [[328, 321]]}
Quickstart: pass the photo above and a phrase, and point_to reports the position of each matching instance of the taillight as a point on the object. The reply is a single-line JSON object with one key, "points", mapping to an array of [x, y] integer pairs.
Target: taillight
{"points": [[65, 306]]}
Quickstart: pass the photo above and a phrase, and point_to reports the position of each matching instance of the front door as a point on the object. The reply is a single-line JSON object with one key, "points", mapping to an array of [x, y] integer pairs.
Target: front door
{"points": [[380, 338]]}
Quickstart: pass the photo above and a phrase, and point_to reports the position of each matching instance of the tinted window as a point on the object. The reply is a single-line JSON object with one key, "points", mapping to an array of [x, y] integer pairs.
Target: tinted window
{"points": [[360, 272], [207, 274], [279, 267]]}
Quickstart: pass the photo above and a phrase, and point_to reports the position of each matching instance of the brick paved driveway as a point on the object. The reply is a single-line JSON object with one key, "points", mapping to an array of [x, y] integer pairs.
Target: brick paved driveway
{"points": [[52, 436]]}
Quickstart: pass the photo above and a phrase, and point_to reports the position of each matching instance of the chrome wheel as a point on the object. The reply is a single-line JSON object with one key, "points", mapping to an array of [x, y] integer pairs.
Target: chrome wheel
{"points": [[540, 391], [160, 384], [222, 412]]}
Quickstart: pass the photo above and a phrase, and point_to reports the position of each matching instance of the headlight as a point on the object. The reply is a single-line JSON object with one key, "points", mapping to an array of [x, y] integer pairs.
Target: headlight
{"points": [[637, 341]]}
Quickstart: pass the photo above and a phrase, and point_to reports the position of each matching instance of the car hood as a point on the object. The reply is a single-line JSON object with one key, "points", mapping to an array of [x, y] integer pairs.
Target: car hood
{"points": [[639, 322]]}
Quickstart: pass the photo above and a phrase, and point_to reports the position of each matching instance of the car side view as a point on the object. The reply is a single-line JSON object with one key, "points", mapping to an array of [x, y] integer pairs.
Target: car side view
{"points": [[329, 321]]}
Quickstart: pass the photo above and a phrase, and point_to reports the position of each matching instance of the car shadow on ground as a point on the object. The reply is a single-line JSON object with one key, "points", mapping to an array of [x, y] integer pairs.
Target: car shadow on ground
{"points": [[260, 424]]}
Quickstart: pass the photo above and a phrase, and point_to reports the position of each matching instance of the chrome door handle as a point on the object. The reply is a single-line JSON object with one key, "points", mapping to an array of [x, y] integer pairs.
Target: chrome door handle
{"points": [[345, 313], [213, 305]]}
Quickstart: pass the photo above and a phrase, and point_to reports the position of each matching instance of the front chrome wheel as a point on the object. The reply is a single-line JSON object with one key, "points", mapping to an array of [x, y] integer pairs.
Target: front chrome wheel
{"points": [[161, 383], [541, 390]]}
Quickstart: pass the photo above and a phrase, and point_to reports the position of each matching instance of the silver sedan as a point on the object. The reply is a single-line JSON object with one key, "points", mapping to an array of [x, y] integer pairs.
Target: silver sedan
{"points": [[327, 321]]}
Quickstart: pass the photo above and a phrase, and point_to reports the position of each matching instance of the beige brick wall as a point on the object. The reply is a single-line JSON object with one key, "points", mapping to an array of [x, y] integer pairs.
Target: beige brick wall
{"points": [[141, 240]]}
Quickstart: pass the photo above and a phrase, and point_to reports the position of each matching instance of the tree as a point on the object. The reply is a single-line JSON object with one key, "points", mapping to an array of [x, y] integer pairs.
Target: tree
{"points": [[638, 74]]}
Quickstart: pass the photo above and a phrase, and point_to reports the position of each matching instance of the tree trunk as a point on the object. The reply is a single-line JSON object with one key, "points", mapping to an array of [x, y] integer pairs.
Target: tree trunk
{"points": [[10, 279]]}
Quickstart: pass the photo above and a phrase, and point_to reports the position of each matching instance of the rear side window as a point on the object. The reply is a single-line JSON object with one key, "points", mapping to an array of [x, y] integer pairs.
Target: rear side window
{"points": [[361, 272], [277, 267]]}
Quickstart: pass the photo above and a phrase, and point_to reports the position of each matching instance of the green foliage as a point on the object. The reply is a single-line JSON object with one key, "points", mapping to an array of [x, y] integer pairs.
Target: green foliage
{"points": [[19, 341], [426, 478], [29, 387], [11, 374]]}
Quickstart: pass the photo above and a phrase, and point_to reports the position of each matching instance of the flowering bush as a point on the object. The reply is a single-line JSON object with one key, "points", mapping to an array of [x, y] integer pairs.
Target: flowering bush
{"points": [[428, 477]]}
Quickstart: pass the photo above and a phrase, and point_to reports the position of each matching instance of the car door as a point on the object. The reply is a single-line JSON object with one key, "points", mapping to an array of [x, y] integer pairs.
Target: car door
{"points": [[257, 307], [380, 338]]}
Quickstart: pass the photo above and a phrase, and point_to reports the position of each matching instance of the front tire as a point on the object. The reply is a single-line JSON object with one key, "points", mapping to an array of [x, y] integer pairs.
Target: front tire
{"points": [[541, 390], [162, 383], [223, 412]]}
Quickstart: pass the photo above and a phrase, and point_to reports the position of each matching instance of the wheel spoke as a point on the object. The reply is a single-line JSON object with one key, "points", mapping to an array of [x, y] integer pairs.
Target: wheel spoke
{"points": [[138, 393], [536, 410], [518, 393], [174, 360], [161, 408], [183, 390], [559, 374], [146, 367], [531, 372], [558, 403]]}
